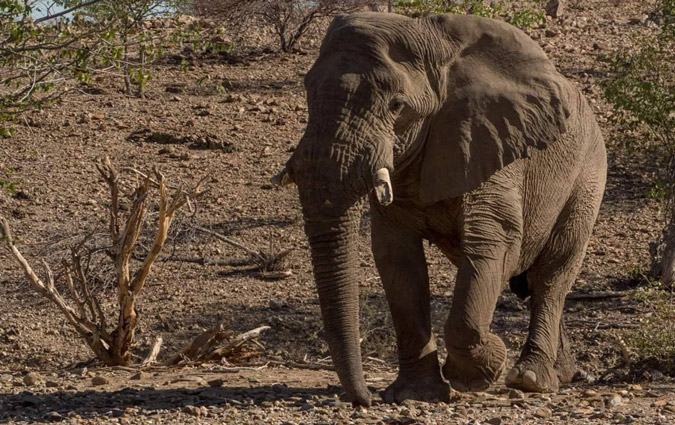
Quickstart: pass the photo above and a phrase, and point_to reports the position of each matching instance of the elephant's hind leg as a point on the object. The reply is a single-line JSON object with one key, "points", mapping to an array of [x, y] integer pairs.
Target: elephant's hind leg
{"points": [[399, 256], [546, 359]]}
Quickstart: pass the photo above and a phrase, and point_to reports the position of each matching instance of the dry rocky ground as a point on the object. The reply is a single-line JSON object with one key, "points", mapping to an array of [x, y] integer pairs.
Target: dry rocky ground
{"points": [[238, 139]]}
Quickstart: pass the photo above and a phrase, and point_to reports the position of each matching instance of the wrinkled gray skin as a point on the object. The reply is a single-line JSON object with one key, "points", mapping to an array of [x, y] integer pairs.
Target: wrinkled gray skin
{"points": [[493, 157]]}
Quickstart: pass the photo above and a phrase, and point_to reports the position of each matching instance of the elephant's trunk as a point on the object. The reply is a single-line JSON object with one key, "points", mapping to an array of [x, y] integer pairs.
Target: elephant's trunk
{"points": [[334, 256]]}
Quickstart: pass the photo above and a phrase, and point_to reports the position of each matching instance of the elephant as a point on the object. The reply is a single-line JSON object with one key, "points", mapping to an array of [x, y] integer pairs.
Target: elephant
{"points": [[459, 131]]}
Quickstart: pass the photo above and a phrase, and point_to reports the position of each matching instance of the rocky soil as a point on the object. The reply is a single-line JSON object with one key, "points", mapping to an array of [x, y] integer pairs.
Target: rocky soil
{"points": [[238, 138]]}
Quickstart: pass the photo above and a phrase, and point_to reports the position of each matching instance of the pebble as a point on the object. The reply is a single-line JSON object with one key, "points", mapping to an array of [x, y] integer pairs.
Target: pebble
{"points": [[516, 394], [99, 380], [32, 378], [139, 376], [54, 417], [276, 304], [192, 410], [215, 383], [543, 413], [495, 421], [614, 401]]}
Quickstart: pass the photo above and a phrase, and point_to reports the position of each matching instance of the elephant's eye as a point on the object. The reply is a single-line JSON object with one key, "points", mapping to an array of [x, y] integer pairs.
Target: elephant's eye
{"points": [[397, 105]]}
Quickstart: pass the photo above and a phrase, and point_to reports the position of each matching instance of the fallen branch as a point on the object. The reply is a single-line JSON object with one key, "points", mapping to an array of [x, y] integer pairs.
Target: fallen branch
{"points": [[599, 325], [237, 341], [307, 366], [256, 254], [200, 345], [270, 264], [203, 261], [234, 369], [581, 296], [206, 347]]}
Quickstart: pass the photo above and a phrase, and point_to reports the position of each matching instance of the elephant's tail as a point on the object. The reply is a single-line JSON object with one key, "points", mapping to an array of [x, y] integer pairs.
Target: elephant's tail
{"points": [[518, 285]]}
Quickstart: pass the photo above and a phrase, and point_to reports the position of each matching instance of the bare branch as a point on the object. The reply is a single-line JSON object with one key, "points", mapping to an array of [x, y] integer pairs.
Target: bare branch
{"points": [[67, 11], [88, 317], [253, 253]]}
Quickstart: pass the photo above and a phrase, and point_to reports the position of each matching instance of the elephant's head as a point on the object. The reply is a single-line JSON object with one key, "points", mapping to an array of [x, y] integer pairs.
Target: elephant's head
{"points": [[445, 101]]}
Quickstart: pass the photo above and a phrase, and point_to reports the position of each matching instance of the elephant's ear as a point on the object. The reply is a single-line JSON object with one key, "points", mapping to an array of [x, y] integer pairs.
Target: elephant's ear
{"points": [[502, 98]]}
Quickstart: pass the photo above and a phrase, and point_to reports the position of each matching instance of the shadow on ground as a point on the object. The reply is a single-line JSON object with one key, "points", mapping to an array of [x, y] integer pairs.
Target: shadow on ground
{"points": [[29, 407]]}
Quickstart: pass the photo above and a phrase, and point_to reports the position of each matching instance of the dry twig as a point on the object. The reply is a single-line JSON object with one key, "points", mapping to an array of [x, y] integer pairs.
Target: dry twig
{"points": [[270, 264], [206, 347], [87, 316]]}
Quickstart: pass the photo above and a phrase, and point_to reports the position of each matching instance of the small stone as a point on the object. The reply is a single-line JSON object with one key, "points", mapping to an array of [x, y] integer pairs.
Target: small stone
{"points": [[52, 384], [404, 411], [99, 380], [657, 375], [550, 32], [555, 8], [279, 388], [32, 378], [306, 407], [543, 413], [614, 401], [192, 410], [54, 417], [276, 304], [495, 421], [620, 417], [139, 376], [590, 393], [215, 383], [516, 394]]}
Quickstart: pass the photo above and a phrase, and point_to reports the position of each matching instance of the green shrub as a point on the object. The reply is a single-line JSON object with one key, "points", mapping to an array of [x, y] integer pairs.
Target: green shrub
{"points": [[7, 182], [527, 18], [641, 87], [653, 344]]}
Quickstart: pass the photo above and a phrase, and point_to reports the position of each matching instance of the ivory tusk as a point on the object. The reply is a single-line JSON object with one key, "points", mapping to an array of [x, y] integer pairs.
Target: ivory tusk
{"points": [[281, 178], [383, 191]]}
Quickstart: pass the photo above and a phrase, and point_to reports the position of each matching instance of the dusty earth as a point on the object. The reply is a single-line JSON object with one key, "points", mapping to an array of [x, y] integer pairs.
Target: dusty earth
{"points": [[238, 138]]}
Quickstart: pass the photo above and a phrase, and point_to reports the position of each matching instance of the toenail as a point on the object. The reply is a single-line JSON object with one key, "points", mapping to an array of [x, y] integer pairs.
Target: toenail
{"points": [[513, 375], [530, 376]]}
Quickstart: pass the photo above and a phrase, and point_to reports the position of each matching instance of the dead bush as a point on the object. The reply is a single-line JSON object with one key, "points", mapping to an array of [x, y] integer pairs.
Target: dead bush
{"points": [[289, 19], [109, 337]]}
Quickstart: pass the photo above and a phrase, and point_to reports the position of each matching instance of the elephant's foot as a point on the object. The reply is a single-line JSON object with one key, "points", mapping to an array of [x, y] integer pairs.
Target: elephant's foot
{"points": [[565, 367], [533, 375], [565, 363], [423, 382], [424, 388], [477, 368]]}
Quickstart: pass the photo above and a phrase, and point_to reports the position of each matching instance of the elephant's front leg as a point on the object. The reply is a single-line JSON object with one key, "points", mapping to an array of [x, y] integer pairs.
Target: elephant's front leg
{"points": [[399, 256], [476, 357]]}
